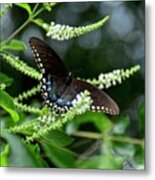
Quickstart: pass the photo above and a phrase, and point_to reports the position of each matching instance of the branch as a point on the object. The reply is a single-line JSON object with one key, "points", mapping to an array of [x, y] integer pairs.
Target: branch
{"points": [[121, 139]]}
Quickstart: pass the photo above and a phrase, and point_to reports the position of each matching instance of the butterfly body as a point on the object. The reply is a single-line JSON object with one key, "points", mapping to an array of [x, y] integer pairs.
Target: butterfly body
{"points": [[59, 89]]}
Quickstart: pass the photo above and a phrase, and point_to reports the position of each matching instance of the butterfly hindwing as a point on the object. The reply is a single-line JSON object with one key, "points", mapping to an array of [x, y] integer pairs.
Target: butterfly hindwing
{"points": [[101, 101]]}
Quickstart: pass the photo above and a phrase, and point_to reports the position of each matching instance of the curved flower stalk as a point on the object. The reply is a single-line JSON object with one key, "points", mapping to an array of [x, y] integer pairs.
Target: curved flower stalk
{"points": [[26, 108], [19, 65], [23, 127], [65, 32], [26, 95], [29, 93], [106, 80]]}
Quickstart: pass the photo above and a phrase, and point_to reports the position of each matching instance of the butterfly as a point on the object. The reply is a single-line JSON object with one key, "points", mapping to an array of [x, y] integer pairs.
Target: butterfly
{"points": [[59, 88]]}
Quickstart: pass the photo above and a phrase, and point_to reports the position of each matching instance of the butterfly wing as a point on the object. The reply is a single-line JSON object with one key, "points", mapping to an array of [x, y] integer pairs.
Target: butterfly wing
{"points": [[47, 59], [101, 101]]}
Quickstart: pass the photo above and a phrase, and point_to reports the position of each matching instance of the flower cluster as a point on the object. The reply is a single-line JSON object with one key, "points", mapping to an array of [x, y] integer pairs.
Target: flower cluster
{"points": [[81, 104], [113, 78], [50, 120], [26, 108], [65, 32], [29, 93], [19, 65]]}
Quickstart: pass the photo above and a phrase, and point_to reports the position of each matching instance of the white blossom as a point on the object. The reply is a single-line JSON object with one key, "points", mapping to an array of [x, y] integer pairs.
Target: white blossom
{"points": [[113, 78], [65, 32]]}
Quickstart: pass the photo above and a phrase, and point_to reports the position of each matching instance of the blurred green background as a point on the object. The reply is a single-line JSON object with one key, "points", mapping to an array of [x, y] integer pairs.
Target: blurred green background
{"points": [[120, 43]]}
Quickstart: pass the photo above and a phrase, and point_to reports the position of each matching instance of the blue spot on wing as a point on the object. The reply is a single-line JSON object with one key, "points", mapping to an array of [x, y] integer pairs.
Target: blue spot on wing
{"points": [[64, 102]]}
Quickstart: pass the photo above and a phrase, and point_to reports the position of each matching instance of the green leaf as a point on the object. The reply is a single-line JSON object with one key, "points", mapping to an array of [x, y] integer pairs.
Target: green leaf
{"points": [[57, 138], [38, 21], [101, 162], [60, 157], [34, 150], [6, 102], [25, 6], [22, 154], [15, 45], [4, 156], [100, 120], [48, 6], [5, 79]]}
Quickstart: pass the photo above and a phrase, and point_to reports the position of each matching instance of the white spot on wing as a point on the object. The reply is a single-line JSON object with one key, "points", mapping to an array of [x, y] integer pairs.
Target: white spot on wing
{"points": [[41, 65], [44, 80], [43, 70]]}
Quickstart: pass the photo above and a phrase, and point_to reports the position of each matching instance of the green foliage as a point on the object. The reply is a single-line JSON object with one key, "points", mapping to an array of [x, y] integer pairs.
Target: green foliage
{"points": [[48, 6], [38, 137], [48, 119], [38, 21], [4, 79], [28, 155], [57, 138], [4, 156], [25, 6], [101, 122], [15, 45], [102, 162], [6, 102], [59, 156]]}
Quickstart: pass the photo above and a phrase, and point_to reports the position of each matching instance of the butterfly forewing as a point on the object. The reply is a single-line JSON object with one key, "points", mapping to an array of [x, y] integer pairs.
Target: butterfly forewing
{"points": [[47, 59]]}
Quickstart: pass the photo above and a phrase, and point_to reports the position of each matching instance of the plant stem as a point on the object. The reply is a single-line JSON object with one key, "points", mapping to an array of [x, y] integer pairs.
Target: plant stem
{"points": [[38, 12], [30, 19], [35, 7], [127, 140], [87, 134], [122, 139]]}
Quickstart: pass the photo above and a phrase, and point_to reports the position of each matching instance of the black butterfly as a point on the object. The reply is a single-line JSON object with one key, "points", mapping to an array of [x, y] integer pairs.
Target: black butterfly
{"points": [[59, 88]]}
